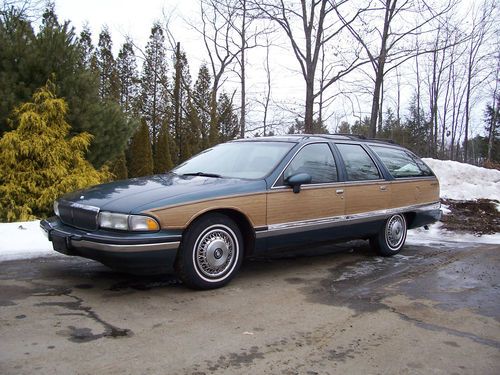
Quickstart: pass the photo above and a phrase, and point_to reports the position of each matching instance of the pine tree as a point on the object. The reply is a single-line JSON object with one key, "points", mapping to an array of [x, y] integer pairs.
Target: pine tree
{"points": [[118, 167], [154, 85], [39, 161], [228, 125], [28, 60], [86, 48], [180, 105], [193, 136], [163, 159], [16, 61], [140, 157], [106, 67], [202, 103], [128, 78]]}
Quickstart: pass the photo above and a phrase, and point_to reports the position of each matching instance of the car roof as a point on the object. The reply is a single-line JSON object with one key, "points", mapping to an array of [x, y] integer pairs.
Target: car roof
{"points": [[297, 138]]}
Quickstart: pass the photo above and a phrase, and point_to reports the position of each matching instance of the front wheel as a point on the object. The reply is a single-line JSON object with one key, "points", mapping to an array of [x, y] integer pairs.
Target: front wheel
{"points": [[211, 252], [392, 237]]}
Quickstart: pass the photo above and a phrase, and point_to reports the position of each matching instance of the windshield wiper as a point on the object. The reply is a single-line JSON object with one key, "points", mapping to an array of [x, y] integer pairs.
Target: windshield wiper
{"points": [[203, 174]]}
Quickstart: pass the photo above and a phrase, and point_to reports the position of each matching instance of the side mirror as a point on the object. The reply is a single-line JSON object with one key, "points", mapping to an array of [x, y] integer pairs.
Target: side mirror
{"points": [[296, 180]]}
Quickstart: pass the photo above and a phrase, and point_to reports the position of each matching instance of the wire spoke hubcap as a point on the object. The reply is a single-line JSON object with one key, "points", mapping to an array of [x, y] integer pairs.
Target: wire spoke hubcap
{"points": [[215, 253]]}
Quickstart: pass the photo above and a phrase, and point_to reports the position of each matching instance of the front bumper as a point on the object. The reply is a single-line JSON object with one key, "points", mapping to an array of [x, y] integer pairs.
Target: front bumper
{"points": [[124, 251]]}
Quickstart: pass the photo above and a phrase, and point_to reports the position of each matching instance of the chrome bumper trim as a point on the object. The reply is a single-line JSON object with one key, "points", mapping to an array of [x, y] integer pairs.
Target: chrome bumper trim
{"points": [[125, 248]]}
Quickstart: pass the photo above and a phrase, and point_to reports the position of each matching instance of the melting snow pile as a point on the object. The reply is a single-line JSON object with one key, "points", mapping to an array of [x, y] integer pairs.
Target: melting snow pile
{"points": [[464, 181], [23, 240], [458, 181]]}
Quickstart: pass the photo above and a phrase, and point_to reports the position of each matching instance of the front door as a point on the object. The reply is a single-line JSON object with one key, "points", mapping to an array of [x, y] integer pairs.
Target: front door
{"points": [[298, 217]]}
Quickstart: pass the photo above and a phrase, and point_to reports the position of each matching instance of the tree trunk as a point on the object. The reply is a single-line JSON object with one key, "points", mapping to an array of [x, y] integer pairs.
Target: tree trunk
{"points": [[177, 100], [494, 115], [243, 79]]}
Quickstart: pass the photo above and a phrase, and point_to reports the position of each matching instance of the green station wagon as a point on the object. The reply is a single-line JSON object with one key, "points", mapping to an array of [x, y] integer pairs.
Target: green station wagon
{"points": [[246, 197]]}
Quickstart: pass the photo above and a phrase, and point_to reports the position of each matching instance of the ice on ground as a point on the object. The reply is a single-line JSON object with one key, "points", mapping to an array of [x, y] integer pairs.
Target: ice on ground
{"points": [[438, 235], [23, 240], [464, 181]]}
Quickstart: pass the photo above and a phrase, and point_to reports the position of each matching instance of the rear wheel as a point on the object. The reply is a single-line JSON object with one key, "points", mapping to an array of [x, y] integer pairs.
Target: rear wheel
{"points": [[211, 252], [392, 237]]}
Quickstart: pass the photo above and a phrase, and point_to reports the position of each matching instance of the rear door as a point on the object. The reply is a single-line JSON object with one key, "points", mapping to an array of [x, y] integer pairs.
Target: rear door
{"points": [[366, 191]]}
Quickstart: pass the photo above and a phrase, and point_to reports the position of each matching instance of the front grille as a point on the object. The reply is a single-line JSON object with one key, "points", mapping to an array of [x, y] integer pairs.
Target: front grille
{"points": [[79, 215]]}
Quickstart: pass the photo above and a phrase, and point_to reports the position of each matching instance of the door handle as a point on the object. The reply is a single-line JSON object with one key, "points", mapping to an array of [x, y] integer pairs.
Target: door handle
{"points": [[339, 191], [383, 188]]}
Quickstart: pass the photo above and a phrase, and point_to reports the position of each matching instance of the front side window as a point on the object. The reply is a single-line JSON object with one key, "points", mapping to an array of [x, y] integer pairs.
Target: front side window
{"points": [[358, 164], [401, 163], [317, 161]]}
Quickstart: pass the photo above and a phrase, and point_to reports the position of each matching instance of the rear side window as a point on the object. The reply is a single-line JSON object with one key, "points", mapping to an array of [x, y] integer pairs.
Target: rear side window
{"points": [[358, 164], [316, 160], [401, 163]]}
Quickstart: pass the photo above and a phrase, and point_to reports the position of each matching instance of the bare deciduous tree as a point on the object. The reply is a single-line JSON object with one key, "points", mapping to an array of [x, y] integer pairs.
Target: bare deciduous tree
{"points": [[386, 43], [308, 26]]}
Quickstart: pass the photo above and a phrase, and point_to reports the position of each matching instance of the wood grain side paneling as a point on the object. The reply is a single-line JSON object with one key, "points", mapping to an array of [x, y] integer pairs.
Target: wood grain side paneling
{"points": [[178, 217], [284, 206], [406, 193], [367, 197]]}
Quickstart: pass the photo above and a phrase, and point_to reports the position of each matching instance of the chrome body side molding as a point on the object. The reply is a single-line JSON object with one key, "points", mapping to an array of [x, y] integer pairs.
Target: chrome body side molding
{"points": [[341, 220]]}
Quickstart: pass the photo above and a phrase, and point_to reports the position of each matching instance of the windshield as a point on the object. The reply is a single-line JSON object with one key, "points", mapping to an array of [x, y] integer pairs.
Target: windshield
{"points": [[252, 160]]}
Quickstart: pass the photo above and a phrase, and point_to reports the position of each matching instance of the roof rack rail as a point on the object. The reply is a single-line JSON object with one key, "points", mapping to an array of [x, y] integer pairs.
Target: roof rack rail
{"points": [[363, 137]]}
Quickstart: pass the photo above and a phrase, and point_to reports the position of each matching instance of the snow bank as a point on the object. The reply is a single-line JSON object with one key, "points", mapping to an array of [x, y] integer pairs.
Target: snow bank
{"points": [[464, 181], [23, 240]]}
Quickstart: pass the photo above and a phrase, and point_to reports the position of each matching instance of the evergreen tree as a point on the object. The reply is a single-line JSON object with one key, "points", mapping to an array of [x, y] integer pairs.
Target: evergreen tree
{"points": [[163, 159], [299, 126], [154, 85], [417, 128], [106, 67], [16, 63], [193, 136], [492, 128], [180, 105], [39, 161], [28, 60], [87, 57], [361, 127], [140, 157], [201, 98], [344, 128], [229, 126], [128, 78], [118, 167]]}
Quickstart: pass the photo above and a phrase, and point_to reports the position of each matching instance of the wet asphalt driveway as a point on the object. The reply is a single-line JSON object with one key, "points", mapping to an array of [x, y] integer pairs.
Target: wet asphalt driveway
{"points": [[335, 309]]}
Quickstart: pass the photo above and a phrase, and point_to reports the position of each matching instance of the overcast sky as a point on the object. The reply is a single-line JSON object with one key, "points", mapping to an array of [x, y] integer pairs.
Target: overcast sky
{"points": [[135, 18]]}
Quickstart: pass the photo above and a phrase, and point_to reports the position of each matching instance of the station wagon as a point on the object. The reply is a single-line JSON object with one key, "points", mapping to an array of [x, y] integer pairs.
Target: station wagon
{"points": [[246, 197]]}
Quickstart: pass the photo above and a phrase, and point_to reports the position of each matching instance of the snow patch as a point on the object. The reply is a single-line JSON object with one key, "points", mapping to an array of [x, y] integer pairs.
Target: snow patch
{"points": [[464, 181], [23, 240], [436, 235]]}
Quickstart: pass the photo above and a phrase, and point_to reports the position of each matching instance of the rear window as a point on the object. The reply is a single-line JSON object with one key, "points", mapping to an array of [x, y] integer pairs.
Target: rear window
{"points": [[401, 163]]}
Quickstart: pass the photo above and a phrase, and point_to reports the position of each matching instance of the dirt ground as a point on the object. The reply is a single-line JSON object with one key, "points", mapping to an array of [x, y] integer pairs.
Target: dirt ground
{"points": [[478, 217], [330, 310]]}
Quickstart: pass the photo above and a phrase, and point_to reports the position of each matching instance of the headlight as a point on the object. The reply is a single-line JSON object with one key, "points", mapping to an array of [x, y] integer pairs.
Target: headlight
{"points": [[56, 208], [127, 222]]}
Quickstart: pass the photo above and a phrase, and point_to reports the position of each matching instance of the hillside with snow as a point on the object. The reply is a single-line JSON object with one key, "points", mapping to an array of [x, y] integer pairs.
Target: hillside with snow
{"points": [[458, 181]]}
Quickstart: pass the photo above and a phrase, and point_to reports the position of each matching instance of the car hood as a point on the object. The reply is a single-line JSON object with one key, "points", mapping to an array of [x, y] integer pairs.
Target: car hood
{"points": [[141, 194]]}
